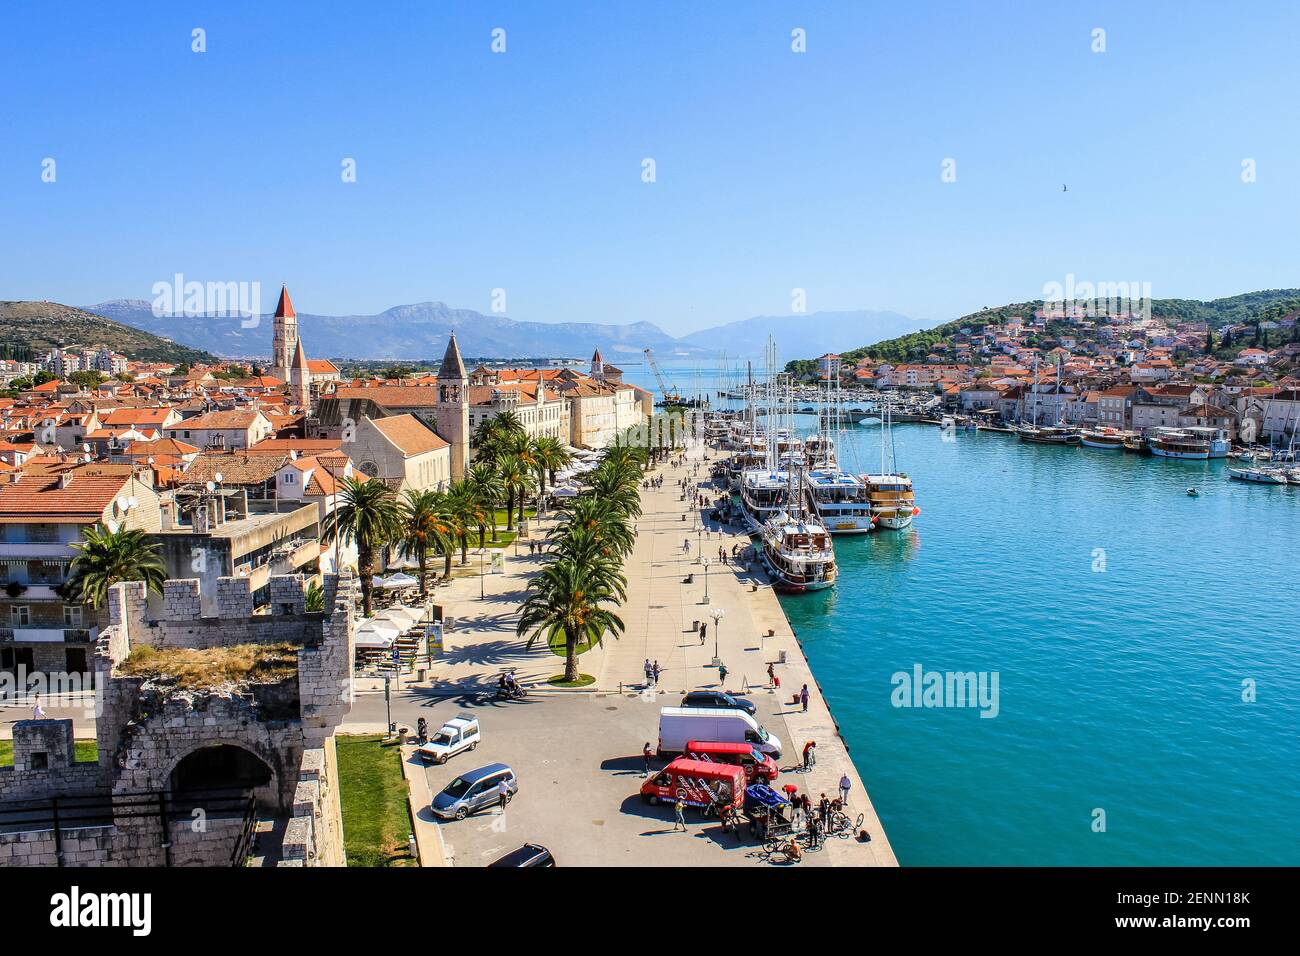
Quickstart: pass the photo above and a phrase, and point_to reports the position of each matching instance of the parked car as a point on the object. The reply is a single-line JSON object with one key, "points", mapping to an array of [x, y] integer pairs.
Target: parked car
{"points": [[717, 698], [530, 854], [474, 791], [680, 725], [459, 733]]}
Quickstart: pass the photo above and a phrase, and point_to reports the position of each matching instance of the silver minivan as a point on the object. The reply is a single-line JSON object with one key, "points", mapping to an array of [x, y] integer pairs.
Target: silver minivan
{"points": [[474, 791]]}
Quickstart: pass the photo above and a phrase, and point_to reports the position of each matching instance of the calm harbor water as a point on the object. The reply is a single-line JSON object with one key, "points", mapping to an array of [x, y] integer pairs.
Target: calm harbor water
{"points": [[1121, 617]]}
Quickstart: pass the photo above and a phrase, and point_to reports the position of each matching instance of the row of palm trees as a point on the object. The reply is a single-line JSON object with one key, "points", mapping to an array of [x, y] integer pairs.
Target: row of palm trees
{"points": [[423, 525], [570, 599]]}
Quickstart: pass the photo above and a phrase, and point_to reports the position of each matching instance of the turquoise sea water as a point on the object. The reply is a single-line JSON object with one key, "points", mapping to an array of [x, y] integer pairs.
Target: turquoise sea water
{"points": [[1120, 689]]}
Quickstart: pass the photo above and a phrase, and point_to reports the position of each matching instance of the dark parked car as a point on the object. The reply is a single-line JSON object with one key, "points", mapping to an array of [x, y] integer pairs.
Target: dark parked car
{"points": [[717, 699], [530, 854]]}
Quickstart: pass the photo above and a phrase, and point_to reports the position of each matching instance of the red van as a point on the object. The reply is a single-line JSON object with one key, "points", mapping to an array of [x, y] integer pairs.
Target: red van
{"points": [[758, 766], [698, 783]]}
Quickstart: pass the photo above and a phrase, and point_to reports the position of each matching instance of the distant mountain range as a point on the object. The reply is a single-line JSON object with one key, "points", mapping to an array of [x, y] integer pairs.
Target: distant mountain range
{"points": [[420, 331]]}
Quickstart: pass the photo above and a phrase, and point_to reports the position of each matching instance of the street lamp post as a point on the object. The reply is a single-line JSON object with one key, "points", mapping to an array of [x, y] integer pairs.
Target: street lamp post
{"points": [[706, 563], [480, 574], [717, 614]]}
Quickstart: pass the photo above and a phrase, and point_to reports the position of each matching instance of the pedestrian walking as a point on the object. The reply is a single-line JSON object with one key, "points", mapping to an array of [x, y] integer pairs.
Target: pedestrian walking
{"points": [[503, 795], [679, 812], [845, 785], [771, 674], [704, 626], [649, 673], [645, 756], [38, 712], [803, 698], [656, 673], [722, 675], [809, 754]]}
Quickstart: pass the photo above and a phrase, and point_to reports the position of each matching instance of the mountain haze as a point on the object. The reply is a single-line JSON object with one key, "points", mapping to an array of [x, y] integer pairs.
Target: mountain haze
{"points": [[420, 331]]}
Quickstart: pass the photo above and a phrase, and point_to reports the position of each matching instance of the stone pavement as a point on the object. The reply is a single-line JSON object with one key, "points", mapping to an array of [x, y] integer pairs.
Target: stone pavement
{"points": [[659, 615]]}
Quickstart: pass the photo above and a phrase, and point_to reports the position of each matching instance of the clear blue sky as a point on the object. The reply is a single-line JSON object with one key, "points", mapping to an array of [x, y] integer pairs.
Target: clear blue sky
{"points": [[523, 170]]}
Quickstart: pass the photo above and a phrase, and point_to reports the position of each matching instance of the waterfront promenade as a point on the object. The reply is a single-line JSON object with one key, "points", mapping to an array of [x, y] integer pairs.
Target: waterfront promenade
{"points": [[603, 737]]}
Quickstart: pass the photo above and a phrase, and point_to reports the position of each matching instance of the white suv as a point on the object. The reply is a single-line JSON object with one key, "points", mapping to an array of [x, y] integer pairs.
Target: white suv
{"points": [[457, 734]]}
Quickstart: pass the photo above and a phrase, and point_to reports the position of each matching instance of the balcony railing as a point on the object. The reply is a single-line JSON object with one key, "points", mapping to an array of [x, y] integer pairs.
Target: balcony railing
{"points": [[47, 635]]}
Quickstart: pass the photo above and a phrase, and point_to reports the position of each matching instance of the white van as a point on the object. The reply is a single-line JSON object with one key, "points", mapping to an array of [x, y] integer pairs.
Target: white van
{"points": [[677, 725]]}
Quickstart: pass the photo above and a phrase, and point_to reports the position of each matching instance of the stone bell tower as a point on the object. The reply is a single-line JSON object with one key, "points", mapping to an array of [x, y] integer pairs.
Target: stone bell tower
{"points": [[451, 415], [284, 341]]}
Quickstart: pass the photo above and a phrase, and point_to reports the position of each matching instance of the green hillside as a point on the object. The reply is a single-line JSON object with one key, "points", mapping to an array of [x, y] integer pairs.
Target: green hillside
{"points": [[1249, 308], [30, 329]]}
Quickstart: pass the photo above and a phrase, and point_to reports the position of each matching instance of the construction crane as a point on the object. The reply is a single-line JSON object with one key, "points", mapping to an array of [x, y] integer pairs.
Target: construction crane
{"points": [[670, 394]]}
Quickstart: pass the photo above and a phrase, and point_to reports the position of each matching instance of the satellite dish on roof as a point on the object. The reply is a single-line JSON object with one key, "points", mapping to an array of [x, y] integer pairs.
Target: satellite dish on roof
{"points": [[85, 446], [211, 486], [130, 502], [217, 476]]}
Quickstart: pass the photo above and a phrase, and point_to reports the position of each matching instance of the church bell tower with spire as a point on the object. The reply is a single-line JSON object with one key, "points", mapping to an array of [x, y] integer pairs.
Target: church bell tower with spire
{"points": [[451, 415], [284, 342]]}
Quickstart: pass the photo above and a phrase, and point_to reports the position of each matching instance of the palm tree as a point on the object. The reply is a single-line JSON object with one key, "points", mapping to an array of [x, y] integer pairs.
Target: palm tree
{"points": [[566, 599], [551, 457], [489, 489], [516, 481], [599, 517], [519, 445], [466, 512], [314, 598], [110, 556], [425, 528], [366, 512]]}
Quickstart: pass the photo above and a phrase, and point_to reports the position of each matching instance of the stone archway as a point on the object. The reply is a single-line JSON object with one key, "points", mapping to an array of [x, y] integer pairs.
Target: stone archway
{"points": [[221, 765]]}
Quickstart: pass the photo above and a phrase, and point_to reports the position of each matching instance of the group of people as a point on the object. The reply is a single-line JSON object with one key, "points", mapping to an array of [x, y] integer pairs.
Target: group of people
{"points": [[535, 548], [652, 672]]}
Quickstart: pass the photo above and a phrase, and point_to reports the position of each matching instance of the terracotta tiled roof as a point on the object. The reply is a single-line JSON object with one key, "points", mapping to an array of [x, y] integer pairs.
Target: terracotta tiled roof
{"points": [[238, 418], [408, 434], [234, 468], [394, 396], [40, 498]]}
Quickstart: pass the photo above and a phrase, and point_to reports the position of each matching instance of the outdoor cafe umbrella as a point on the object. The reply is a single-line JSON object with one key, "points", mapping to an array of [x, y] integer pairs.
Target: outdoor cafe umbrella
{"points": [[376, 633], [400, 616], [398, 580]]}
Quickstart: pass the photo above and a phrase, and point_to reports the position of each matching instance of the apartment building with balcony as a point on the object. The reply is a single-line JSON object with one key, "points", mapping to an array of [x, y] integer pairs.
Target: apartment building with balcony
{"points": [[43, 628], [210, 533]]}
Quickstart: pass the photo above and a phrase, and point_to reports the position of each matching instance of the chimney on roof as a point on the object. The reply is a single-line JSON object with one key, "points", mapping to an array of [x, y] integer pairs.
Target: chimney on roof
{"points": [[65, 479]]}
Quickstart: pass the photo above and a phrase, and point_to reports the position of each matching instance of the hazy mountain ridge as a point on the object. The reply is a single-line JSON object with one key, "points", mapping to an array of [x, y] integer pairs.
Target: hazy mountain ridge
{"points": [[420, 331]]}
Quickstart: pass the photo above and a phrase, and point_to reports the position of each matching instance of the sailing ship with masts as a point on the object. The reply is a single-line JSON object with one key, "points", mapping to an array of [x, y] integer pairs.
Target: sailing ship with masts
{"points": [[890, 493], [838, 495], [1057, 434]]}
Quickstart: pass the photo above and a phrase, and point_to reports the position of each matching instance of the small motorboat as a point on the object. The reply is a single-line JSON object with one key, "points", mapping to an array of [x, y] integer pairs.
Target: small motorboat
{"points": [[1193, 493]]}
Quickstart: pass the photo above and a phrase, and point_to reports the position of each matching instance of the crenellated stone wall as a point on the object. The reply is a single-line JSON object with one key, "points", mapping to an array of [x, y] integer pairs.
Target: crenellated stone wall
{"points": [[145, 729]]}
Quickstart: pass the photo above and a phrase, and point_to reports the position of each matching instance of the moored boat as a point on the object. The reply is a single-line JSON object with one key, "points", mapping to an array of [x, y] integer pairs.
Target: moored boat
{"points": [[798, 554], [893, 503], [1178, 443], [1262, 476], [1108, 439]]}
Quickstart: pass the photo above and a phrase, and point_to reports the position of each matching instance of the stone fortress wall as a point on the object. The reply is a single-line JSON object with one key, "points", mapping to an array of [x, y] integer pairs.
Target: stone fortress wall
{"points": [[144, 732]]}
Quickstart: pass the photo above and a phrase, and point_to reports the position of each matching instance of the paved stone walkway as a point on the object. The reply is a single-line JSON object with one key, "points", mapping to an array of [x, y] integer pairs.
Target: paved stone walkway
{"points": [[660, 615]]}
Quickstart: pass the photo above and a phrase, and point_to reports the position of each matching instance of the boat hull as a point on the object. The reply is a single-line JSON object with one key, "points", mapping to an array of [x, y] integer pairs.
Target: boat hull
{"points": [[1103, 445], [1182, 455], [896, 521]]}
